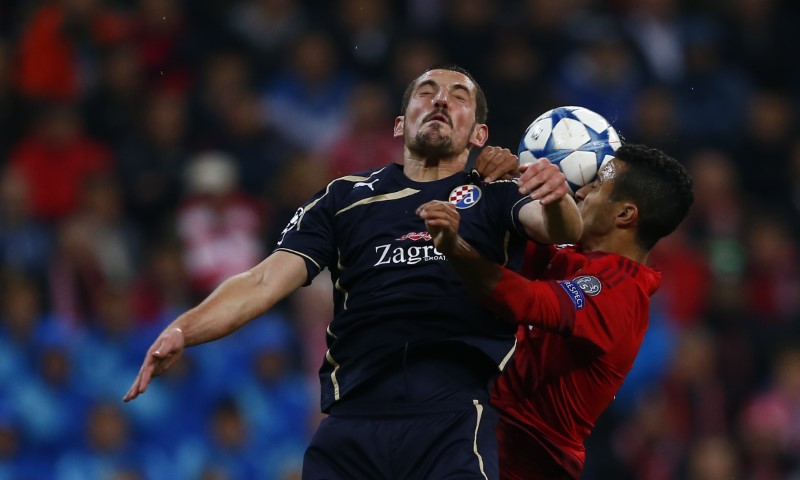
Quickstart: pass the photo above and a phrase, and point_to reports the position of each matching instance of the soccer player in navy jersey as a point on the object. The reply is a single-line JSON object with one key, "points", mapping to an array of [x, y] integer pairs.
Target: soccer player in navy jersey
{"points": [[582, 321], [412, 354]]}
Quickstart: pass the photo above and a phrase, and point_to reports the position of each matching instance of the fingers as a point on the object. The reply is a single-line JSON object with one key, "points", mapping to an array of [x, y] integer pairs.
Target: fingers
{"points": [[435, 208], [495, 162], [164, 352], [543, 181]]}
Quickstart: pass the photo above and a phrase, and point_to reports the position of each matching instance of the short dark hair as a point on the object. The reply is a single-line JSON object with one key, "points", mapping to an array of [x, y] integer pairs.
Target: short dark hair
{"points": [[659, 186], [481, 107]]}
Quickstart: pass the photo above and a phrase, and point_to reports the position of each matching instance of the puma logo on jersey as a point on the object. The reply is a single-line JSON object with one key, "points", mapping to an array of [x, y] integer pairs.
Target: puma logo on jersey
{"points": [[366, 184]]}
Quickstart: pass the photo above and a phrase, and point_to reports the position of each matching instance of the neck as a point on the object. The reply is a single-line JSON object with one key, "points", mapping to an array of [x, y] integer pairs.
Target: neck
{"points": [[623, 244], [428, 169]]}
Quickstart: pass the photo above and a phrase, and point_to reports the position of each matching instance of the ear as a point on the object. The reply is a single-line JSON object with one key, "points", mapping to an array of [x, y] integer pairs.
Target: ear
{"points": [[480, 133], [399, 122], [627, 215]]}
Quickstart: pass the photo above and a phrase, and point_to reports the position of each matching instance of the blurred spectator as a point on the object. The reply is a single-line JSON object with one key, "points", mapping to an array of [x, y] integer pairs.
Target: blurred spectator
{"points": [[26, 244], [765, 141], [268, 27], [16, 460], [162, 36], [368, 141], [21, 324], [770, 422], [695, 398], [107, 450], [160, 291], [716, 223], [685, 278], [655, 120], [773, 274], [51, 403], [365, 34], [711, 97], [305, 101], [55, 159], [759, 31], [225, 77], [521, 94], [219, 225], [713, 458], [151, 164], [466, 33], [259, 150], [12, 120], [58, 49], [601, 74], [655, 26], [97, 247], [227, 452], [113, 108]]}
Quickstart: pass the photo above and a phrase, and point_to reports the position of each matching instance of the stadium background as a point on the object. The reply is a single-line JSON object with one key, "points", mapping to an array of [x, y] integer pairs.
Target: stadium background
{"points": [[151, 148]]}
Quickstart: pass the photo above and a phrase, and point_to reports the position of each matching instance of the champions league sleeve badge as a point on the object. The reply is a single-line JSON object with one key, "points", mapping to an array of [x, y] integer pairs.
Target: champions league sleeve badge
{"points": [[465, 196]]}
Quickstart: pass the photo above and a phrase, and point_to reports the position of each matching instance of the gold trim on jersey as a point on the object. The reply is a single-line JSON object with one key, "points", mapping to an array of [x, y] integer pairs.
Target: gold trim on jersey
{"points": [[338, 286], [508, 356], [302, 255], [329, 332], [406, 192], [335, 382], [479, 410], [347, 178]]}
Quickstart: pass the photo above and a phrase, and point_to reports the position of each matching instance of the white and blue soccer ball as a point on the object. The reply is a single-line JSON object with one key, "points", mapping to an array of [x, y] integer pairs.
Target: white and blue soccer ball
{"points": [[576, 139]]}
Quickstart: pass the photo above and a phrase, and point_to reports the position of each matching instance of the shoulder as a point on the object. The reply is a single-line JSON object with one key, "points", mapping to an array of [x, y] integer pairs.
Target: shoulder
{"points": [[614, 270]]}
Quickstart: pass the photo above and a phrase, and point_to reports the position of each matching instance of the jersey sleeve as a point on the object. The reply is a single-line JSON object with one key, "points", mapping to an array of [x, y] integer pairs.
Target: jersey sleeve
{"points": [[310, 233], [586, 306], [509, 203]]}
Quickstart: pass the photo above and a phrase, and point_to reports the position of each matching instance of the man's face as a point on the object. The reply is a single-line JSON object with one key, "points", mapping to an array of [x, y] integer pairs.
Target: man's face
{"points": [[594, 202], [440, 118]]}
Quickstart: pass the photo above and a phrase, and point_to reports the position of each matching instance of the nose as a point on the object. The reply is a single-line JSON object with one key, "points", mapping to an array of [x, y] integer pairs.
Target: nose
{"points": [[441, 98]]}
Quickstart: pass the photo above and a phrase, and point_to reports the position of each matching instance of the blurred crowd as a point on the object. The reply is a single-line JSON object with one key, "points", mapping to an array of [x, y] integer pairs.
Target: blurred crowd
{"points": [[151, 148]]}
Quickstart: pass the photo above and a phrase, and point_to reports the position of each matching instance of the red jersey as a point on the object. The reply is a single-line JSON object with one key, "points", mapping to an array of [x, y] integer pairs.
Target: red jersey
{"points": [[582, 326]]}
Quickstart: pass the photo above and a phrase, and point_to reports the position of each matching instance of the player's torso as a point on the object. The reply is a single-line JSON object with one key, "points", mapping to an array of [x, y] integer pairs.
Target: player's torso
{"points": [[387, 258]]}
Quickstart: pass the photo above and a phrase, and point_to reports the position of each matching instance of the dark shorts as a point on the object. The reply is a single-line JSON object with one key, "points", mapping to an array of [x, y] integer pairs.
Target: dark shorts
{"points": [[428, 420], [459, 444]]}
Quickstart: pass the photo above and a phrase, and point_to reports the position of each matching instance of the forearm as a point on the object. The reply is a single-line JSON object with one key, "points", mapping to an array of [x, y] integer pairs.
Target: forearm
{"points": [[479, 275], [563, 221], [232, 304], [242, 298], [555, 223]]}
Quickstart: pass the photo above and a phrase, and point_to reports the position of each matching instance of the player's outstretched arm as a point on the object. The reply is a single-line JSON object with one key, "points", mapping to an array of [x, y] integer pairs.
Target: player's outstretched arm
{"points": [[235, 302], [554, 216]]}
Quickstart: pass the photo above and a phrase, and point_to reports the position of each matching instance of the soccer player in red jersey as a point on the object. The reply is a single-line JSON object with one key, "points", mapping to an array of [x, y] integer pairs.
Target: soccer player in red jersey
{"points": [[583, 319]]}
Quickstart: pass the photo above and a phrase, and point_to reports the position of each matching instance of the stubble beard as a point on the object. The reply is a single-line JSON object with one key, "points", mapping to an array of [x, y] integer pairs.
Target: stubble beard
{"points": [[432, 144]]}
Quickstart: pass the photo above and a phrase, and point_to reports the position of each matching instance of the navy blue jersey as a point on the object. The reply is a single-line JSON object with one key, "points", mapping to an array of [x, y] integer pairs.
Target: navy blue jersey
{"points": [[392, 289]]}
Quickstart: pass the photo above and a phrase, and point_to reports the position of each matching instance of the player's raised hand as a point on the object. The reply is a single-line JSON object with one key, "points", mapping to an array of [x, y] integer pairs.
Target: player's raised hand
{"points": [[495, 163], [442, 221], [164, 352], [542, 181]]}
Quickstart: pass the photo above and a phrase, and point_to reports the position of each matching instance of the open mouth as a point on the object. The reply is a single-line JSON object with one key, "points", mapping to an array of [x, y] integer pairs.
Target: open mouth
{"points": [[439, 117]]}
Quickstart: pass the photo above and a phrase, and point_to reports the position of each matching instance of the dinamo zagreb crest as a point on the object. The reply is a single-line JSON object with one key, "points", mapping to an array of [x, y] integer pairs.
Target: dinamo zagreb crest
{"points": [[465, 196]]}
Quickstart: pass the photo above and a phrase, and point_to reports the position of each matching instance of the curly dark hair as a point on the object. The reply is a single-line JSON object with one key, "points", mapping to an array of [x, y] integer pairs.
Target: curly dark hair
{"points": [[659, 186], [481, 107]]}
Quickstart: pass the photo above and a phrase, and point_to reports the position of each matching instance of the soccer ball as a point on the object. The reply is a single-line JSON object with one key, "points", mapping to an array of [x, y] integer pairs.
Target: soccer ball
{"points": [[576, 139]]}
